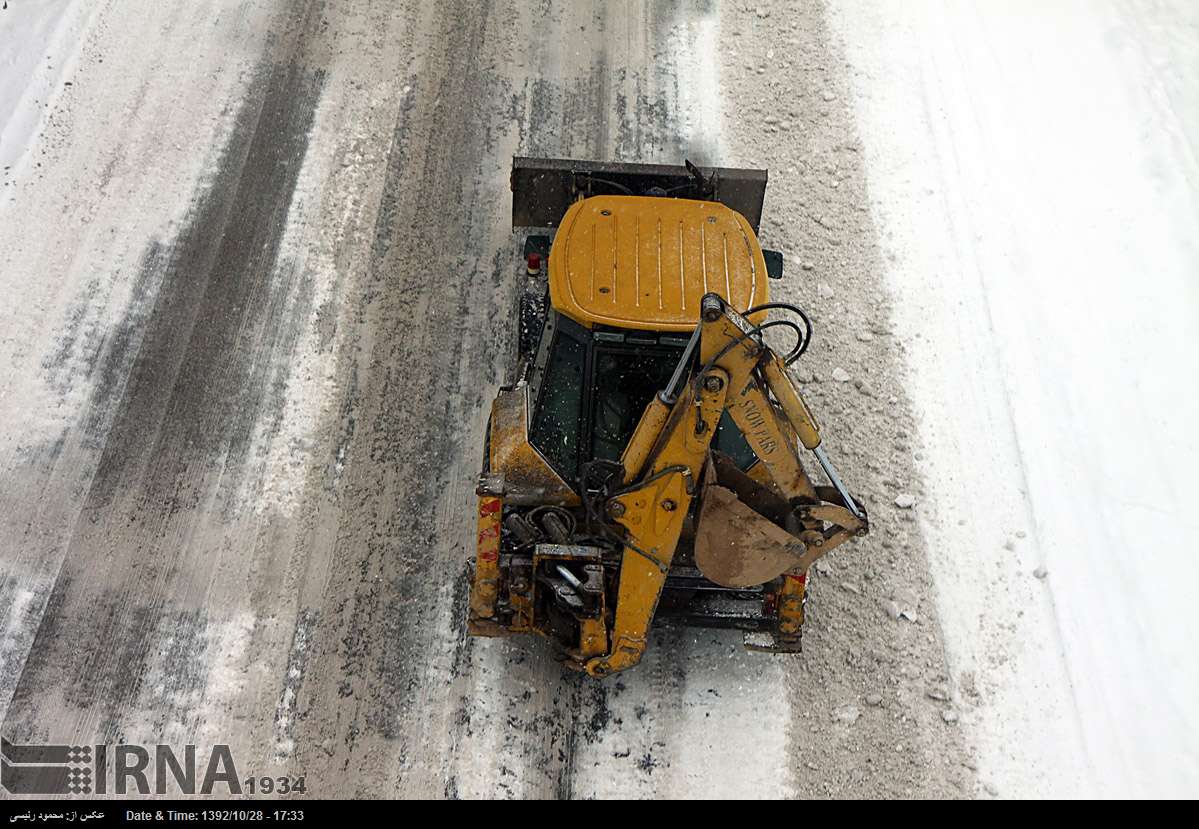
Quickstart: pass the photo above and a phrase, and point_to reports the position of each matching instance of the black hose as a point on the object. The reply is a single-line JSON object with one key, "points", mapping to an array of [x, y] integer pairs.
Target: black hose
{"points": [[804, 338]]}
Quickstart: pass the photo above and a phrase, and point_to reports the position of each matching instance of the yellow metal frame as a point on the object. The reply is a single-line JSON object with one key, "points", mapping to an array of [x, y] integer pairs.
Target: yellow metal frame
{"points": [[658, 264]]}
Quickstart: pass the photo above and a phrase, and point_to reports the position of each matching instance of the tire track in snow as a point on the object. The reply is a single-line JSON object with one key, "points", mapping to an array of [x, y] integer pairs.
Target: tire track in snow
{"points": [[116, 652]]}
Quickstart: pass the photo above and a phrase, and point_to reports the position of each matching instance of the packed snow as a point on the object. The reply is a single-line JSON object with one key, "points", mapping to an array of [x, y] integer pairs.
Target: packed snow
{"points": [[39, 40], [1034, 177]]}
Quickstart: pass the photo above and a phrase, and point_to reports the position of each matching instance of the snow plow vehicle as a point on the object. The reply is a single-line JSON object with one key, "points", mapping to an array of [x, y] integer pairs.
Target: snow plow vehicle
{"points": [[646, 463]]}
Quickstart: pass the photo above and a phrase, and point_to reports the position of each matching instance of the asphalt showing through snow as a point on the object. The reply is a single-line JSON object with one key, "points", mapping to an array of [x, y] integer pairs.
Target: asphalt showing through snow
{"points": [[262, 282]]}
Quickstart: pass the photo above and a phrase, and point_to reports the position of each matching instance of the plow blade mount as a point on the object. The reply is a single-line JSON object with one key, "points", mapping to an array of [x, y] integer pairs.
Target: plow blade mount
{"points": [[543, 188]]}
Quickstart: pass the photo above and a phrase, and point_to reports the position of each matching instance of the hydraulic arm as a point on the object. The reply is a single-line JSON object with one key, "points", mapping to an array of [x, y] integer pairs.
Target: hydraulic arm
{"points": [[665, 464]]}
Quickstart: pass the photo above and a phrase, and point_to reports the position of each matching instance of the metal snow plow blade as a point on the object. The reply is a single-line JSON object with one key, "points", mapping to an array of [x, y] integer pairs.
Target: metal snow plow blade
{"points": [[544, 188]]}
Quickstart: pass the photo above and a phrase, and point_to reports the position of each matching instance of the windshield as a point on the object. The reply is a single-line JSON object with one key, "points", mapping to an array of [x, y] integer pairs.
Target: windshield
{"points": [[555, 425]]}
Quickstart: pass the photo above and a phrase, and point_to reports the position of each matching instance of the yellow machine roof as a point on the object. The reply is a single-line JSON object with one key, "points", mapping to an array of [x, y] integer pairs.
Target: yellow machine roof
{"points": [[645, 262]]}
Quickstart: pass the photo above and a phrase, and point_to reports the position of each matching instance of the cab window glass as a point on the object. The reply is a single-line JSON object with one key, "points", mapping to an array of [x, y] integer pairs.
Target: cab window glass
{"points": [[625, 383], [555, 427]]}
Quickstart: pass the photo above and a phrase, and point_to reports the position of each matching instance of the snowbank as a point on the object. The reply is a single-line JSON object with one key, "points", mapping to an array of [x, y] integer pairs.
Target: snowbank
{"points": [[1035, 180]]}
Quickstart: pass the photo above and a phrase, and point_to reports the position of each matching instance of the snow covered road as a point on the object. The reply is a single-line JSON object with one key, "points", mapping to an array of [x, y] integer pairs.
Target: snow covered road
{"points": [[256, 275], [1034, 171]]}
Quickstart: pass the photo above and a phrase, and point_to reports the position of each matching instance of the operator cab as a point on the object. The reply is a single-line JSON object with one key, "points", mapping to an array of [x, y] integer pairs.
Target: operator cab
{"points": [[589, 388], [626, 275]]}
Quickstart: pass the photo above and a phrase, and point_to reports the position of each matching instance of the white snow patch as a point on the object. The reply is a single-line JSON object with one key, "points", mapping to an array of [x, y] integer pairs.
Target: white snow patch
{"points": [[285, 447], [720, 727], [114, 185], [233, 667], [23, 595], [20, 625], [38, 42]]}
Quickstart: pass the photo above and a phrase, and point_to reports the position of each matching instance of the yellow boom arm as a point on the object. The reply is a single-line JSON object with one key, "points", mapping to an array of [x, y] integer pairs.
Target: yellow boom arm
{"points": [[664, 467]]}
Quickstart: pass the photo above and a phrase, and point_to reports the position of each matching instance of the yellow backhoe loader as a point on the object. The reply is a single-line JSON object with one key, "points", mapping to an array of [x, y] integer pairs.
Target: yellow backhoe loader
{"points": [[646, 463]]}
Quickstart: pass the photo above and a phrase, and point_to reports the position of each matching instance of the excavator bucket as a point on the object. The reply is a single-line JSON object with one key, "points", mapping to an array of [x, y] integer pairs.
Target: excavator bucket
{"points": [[738, 540], [737, 547]]}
